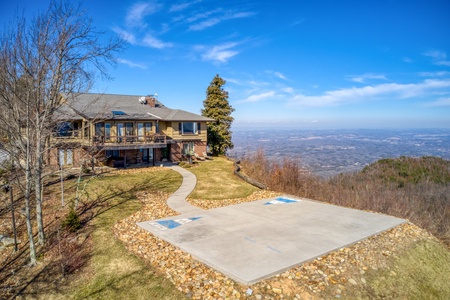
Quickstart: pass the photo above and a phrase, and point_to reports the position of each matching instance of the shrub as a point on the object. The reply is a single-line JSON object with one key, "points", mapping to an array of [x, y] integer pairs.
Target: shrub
{"points": [[72, 221]]}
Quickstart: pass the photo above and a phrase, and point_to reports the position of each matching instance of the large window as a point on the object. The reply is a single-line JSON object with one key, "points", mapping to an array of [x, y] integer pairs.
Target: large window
{"points": [[189, 128], [128, 128], [65, 157], [100, 129], [107, 131], [144, 129], [188, 148], [64, 129]]}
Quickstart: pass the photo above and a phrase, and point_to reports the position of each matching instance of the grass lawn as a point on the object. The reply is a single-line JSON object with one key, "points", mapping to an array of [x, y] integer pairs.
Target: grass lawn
{"points": [[117, 274], [420, 272], [216, 181]]}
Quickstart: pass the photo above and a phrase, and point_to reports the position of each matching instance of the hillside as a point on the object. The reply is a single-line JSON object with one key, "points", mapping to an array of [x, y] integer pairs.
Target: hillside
{"points": [[109, 258]]}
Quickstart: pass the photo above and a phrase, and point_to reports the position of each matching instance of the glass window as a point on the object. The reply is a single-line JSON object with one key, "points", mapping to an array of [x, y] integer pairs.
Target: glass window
{"points": [[108, 130], [120, 129], [128, 128], [64, 129], [141, 131], [99, 129], [189, 128], [65, 157], [188, 148]]}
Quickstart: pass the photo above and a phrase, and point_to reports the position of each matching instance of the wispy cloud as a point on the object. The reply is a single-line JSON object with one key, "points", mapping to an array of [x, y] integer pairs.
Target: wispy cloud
{"points": [[131, 64], [368, 76], [136, 14], [215, 19], [369, 93], [439, 102], [182, 6], [434, 74], [260, 97], [280, 75], [439, 57], [126, 35], [152, 42], [220, 53]]}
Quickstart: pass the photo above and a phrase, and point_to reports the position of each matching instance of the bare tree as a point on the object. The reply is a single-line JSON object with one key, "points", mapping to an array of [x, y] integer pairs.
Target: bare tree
{"points": [[59, 51]]}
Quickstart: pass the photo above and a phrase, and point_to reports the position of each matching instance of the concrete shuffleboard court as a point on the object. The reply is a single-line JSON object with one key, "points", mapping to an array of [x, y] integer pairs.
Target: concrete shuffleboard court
{"points": [[252, 241]]}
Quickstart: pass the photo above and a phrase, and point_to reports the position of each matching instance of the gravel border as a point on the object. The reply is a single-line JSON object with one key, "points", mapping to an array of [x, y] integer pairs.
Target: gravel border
{"points": [[323, 277]]}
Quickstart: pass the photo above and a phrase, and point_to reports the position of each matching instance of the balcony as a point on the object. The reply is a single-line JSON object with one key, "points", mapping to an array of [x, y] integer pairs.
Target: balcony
{"points": [[130, 141], [112, 142]]}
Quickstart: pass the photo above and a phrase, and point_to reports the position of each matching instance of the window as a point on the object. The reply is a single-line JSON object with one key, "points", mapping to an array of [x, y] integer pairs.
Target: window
{"points": [[108, 130], [65, 157], [112, 153], [99, 129], [189, 128], [128, 128], [188, 148], [144, 129], [64, 129]]}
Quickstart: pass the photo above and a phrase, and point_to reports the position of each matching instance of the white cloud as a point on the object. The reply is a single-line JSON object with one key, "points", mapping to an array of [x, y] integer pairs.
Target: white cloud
{"points": [[182, 6], [131, 64], [260, 97], [407, 60], [280, 75], [288, 90], [125, 35], [137, 13], [368, 93], [220, 53], [363, 78], [151, 41], [438, 57], [204, 24], [434, 74], [439, 102], [215, 20]]}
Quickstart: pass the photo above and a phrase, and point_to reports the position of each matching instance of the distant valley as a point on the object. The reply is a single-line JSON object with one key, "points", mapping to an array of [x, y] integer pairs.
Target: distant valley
{"points": [[330, 152]]}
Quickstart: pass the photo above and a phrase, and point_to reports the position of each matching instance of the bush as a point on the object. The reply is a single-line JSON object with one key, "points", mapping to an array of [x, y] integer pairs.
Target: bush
{"points": [[72, 221]]}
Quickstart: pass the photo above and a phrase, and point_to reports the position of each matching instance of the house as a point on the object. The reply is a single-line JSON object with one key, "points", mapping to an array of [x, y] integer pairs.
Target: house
{"points": [[122, 129]]}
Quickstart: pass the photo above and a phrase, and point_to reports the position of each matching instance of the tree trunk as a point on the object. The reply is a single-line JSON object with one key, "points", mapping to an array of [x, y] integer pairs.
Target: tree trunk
{"points": [[27, 196], [38, 192]]}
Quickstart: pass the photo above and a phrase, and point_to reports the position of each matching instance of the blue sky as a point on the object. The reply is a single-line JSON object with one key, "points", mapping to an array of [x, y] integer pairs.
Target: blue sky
{"points": [[309, 64]]}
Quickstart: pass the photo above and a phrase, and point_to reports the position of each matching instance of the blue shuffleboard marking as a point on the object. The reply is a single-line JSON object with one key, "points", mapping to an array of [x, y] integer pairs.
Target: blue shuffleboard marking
{"points": [[261, 244], [281, 200], [171, 224], [276, 250]]}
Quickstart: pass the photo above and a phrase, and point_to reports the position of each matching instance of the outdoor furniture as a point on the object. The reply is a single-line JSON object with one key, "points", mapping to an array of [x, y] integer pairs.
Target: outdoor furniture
{"points": [[198, 157], [206, 156]]}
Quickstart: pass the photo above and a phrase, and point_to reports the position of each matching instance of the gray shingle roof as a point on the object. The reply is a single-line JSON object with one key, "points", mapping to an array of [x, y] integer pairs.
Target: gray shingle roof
{"points": [[109, 106]]}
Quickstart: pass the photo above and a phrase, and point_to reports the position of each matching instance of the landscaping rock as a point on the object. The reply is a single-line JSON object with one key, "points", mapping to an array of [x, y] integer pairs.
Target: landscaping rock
{"points": [[325, 277]]}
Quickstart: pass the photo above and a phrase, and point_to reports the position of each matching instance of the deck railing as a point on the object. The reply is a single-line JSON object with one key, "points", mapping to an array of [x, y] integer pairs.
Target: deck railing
{"points": [[101, 140], [130, 139]]}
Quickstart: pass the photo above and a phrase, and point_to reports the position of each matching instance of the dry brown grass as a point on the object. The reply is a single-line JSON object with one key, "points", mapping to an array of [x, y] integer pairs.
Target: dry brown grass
{"points": [[407, 193]]}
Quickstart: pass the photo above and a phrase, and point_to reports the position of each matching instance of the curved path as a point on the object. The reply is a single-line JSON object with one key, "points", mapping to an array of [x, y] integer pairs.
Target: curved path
{"points": [[177, 201]]}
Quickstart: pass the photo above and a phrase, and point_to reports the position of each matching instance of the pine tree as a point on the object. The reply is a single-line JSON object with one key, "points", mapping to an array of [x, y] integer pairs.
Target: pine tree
{"points": [[217, 107]]}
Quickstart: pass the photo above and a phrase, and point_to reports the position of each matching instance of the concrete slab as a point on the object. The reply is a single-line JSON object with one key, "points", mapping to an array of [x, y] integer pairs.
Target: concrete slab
{"points": [[252, 241]]}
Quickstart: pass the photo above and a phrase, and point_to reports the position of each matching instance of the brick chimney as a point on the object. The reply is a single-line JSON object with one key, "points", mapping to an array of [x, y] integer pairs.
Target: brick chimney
{"points": [[151, 101]]}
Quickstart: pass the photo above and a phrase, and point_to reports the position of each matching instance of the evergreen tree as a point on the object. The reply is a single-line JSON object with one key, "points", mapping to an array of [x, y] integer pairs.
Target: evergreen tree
{"points": [[217, 107]]}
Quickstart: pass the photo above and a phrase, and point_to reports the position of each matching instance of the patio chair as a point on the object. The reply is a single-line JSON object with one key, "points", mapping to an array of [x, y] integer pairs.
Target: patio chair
{"points": [[205, 155], [198, 157]]}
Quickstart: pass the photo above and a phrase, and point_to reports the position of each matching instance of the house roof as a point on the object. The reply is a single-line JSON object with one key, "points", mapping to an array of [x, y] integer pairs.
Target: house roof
{"points": [[120, 107]]}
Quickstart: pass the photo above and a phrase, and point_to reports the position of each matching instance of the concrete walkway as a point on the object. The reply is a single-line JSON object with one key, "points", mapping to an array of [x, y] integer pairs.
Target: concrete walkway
{"points": [[177, 201]]}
